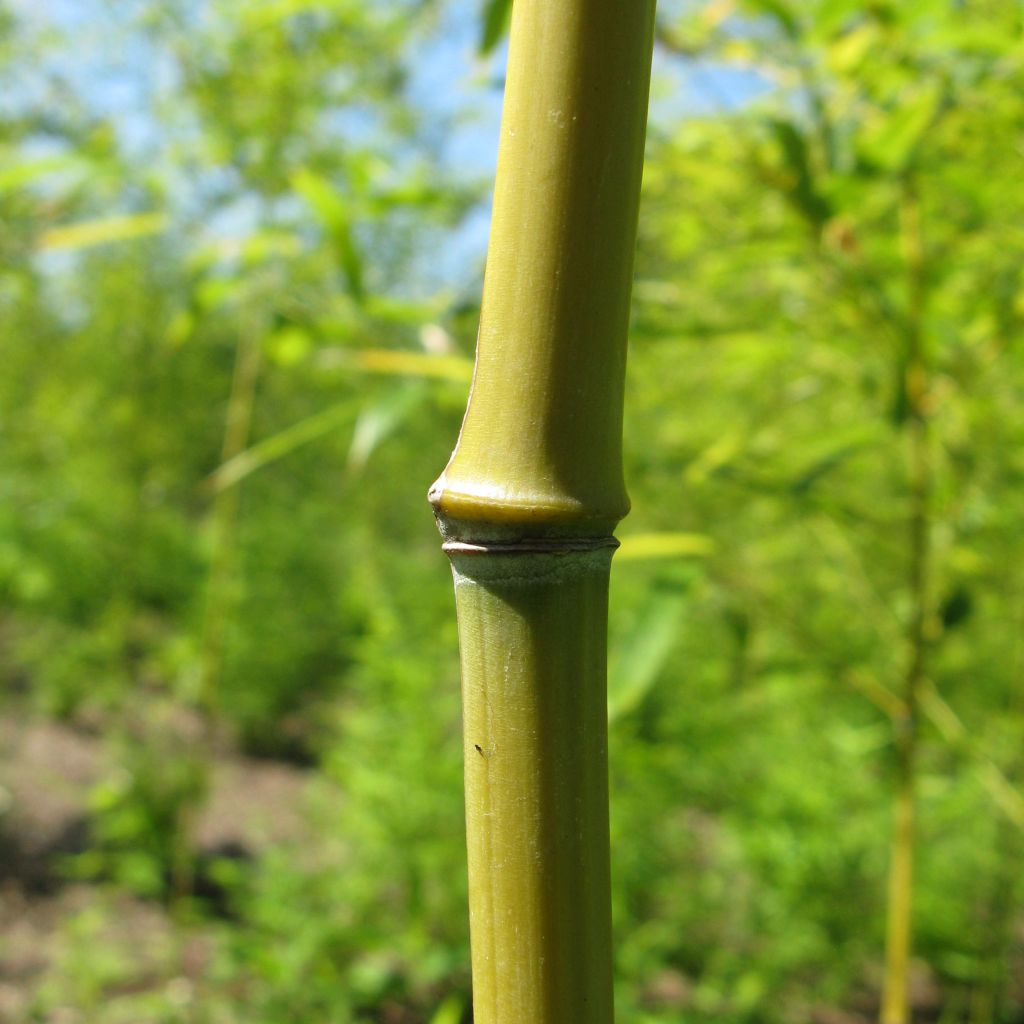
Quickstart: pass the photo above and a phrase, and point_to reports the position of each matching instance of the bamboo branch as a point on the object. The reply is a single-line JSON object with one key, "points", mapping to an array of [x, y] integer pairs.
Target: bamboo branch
{"points": [[880, 695], [528, 503], [1003, 792]]}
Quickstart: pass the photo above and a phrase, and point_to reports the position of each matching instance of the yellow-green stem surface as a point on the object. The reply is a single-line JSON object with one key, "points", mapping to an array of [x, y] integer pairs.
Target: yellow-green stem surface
{"points": [[532, 632], [528, 502], [541, 445]]}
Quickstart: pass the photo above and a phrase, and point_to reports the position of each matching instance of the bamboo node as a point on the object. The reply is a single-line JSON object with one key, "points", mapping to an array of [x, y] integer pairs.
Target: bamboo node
{"points": [[531, 546]]}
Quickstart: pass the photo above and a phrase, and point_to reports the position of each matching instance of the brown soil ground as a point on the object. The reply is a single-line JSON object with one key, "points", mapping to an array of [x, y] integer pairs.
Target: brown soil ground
{"points": [[47, 771]]}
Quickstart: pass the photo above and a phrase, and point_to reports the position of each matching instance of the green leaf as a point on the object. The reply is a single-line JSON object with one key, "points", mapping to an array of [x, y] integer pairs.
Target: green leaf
{"points": [[641, 546], [848, 51], [28, 171], [890, 140], [780, 12], [404, 363], [378, 421], [327, 204], [449, 1012], [290, 345], [277, 446], [800, 180], [824, 465], [718, 454], [637, 660], [87, 233], [494, 23]]}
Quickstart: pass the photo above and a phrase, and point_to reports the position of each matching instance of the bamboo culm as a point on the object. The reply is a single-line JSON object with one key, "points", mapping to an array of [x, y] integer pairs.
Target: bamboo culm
{"points": [[895, 1007], [528, 502]]}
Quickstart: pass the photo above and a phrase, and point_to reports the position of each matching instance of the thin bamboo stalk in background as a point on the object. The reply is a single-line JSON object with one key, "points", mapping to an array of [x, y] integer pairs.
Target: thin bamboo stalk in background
{"points": [[989, 995], [216, 612], [899, 925], [237, 427], [528, 503]]}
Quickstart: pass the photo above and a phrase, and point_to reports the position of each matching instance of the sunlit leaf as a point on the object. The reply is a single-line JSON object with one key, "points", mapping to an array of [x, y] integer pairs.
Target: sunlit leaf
{"points": [[181, 327], [652, 546], [831, 15], [401, 362], [450, 1011], [889, 140], [102, 231], [214, 292], [289, 345], [267, 244], [850, 49], [28, 171], [395, 310]]}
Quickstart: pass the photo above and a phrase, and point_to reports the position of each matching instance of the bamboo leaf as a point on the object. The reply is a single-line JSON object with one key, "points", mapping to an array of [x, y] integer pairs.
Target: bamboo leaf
{"points": [[781, 13], [401, 363], [28, 171], [826, 464], [449, 1012], [495, 23], [1004, 793], [847, 52], [87, 233], [641, 546], [379, 420], [374, 424], [714, 457], [891, 139], [637, 661], [275, 447], [800, 184], [415, 364], [333, 215]]}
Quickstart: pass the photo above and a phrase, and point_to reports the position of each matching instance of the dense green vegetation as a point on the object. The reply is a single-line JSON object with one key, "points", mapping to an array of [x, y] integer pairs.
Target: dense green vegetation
{"points": [[237, 310]]}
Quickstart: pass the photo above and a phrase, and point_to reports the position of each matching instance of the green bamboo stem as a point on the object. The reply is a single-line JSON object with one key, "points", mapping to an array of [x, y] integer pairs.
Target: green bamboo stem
{"points": [[237, 427], [528, 502], [988, 1000], [899, 925], [532, 631], [216, 612]]}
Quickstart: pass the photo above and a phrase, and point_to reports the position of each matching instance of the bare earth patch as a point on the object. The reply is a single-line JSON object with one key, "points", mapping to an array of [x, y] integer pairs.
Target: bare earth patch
{"points": [[47, 771]]}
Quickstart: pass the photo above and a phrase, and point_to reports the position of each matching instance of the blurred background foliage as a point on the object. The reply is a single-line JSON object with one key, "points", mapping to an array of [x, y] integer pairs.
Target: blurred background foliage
{"points": [[241, 250]]}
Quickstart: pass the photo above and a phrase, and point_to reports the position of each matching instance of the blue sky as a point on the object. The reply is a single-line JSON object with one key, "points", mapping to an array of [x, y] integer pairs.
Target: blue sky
{"points": [[115, 71]]}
